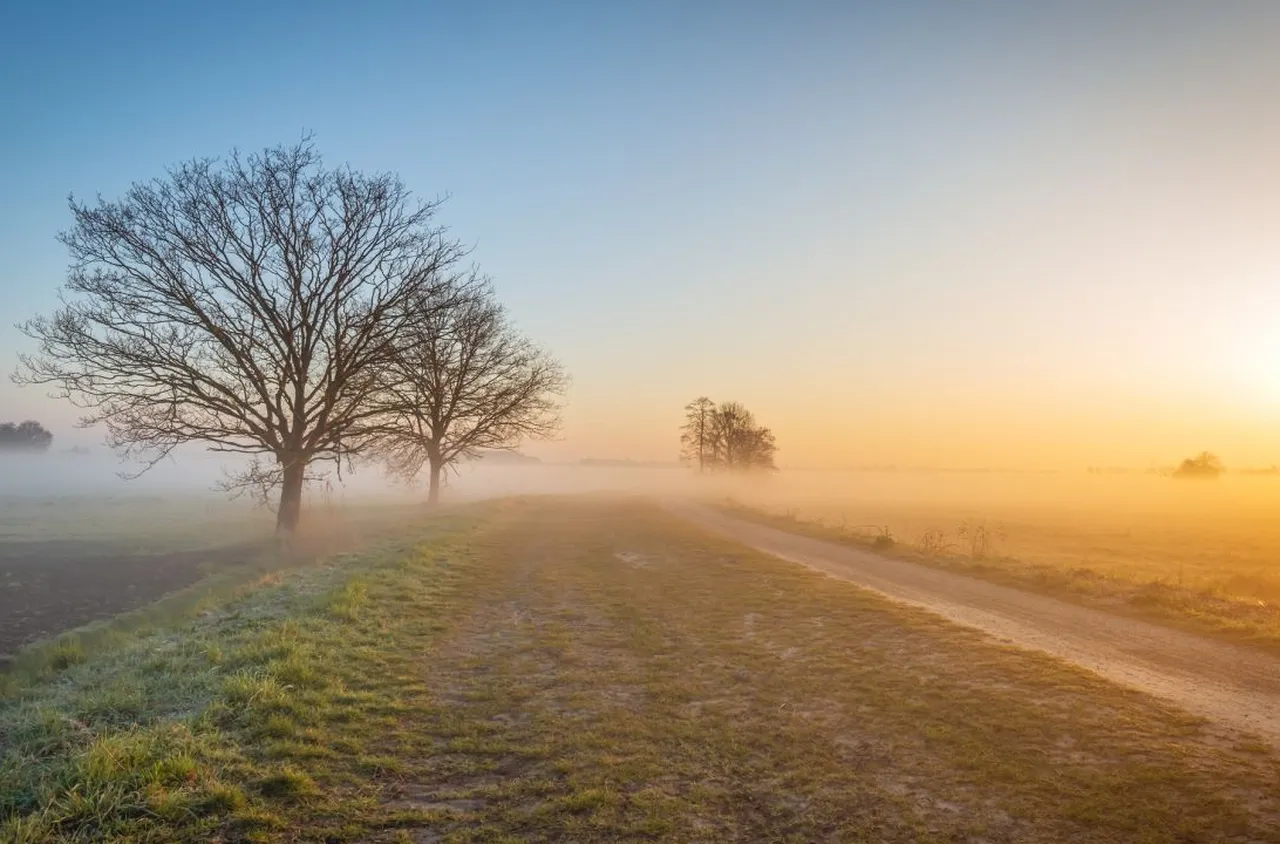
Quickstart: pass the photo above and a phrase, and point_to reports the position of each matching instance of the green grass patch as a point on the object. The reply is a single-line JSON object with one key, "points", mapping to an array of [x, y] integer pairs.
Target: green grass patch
{"points": [[222, 726], [258, 564]]}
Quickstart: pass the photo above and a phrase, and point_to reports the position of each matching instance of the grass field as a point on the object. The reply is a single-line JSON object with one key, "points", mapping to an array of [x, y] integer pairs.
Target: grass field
{"points": [[1201, 554], [565, 669]]}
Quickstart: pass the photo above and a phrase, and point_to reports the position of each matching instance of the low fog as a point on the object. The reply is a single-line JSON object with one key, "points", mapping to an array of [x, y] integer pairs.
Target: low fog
{"points": [[99, 474], [904, 499]]}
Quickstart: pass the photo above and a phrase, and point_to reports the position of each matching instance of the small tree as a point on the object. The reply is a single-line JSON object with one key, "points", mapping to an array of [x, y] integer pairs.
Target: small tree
{"points": [[1203, 465], [695, 434], [464, 381], [250, 305], [738, 443], [25, 436], [726, 437]]}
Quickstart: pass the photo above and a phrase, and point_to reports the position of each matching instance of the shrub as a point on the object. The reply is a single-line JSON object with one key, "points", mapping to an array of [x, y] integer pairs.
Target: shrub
{"points": [[979, 539], [934, 543], [66, 653]]}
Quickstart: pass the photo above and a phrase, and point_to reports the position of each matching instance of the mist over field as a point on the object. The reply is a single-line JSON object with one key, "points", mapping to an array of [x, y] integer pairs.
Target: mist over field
{"points": [[1136, 521], [871, 495], [197, 475]]}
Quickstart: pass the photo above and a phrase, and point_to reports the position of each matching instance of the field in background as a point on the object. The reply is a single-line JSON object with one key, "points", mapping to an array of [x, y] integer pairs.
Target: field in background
{"points": [[140, 519], [1204, 550], [1222, 535]]}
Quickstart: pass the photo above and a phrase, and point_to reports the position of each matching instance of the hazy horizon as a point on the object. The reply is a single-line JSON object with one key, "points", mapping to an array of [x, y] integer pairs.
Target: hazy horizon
{"points": [[920, 236]]}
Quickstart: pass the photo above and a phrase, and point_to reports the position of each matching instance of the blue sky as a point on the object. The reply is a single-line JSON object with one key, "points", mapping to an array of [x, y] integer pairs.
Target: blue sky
{"points": [[850, 218]]}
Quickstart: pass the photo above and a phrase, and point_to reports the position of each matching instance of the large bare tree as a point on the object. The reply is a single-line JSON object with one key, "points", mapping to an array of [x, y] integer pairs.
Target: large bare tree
{"points": [[465, 380], [248, 304]]}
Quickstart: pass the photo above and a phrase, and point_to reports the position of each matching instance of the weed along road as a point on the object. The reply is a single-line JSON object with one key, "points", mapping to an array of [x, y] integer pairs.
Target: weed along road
{"points": [[1234, 685]]}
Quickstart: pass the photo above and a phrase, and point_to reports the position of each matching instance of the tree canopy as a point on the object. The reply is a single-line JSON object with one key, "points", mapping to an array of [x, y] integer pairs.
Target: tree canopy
{"points": [[1203, 465], [251, 304], [725, 437], [270, 306], [28, 436]]}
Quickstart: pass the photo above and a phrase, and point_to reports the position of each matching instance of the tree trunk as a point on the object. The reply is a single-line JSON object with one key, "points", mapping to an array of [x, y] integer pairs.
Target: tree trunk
{"points": [[433, 490], [290, 498]]}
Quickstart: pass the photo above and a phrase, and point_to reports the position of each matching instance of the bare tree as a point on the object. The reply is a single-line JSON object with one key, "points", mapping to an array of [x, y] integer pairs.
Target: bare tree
{"points": [[465, 380], [248, 304], [756, 448], [695, 434], [733, 440]]}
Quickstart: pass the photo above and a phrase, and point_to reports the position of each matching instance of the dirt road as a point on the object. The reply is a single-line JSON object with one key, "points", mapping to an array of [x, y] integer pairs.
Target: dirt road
{"points": [[1232, 685]]}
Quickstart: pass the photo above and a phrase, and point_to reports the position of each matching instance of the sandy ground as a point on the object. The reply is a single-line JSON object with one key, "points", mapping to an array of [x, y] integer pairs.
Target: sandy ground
{"points": [[1234, 686]]}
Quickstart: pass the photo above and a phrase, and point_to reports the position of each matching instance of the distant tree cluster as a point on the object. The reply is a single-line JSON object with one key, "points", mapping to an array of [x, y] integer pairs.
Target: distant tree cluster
{"points": [[270, 306], [26, 436], [725, 437], [1203, 465]]}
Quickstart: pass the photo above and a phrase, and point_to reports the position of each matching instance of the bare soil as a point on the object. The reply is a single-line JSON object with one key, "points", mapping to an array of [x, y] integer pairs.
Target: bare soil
{"points": [[48, 587], [1235, 686]]}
